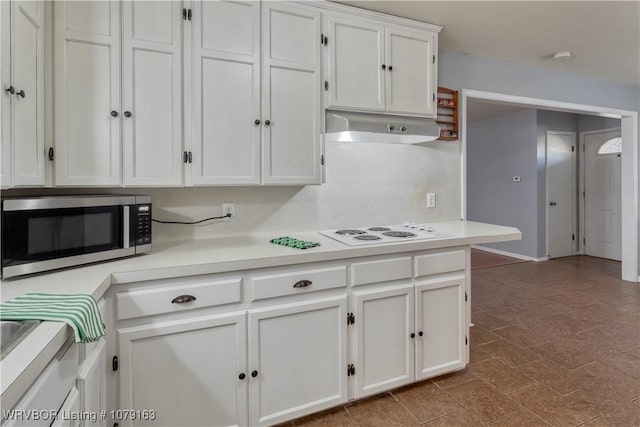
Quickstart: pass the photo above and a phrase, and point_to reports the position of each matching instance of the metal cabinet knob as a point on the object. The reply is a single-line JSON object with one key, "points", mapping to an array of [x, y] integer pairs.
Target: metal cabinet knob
{"points": [[267, 122], [127, 113], [384, 67], [412, 335], [10, 89], [182, 299], [303, 283], [390, 68], [257, 122], [21, 94], [242, 376], [114, 113], [552, 203], [420, 333], [254, 374]]}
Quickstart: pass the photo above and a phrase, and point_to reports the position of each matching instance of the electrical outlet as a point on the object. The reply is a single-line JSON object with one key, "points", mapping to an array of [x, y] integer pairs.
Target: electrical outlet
{"points": [[431, 200], [229, 208]]}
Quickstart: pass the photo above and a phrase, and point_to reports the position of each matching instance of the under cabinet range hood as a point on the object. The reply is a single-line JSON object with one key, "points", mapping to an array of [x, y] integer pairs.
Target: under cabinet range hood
{"points": [[382, 128]]}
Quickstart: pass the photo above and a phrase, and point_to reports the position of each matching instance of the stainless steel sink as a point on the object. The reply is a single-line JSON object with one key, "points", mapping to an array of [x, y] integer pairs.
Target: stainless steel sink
{"points": [[12, 332]]}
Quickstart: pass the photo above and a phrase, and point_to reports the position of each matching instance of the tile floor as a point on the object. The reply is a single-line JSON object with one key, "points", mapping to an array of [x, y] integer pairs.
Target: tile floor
{"points": [[555, 343]]}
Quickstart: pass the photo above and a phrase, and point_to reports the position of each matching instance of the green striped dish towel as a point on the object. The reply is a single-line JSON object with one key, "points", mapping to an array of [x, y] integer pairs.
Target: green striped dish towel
{"points": [[78, 311]]}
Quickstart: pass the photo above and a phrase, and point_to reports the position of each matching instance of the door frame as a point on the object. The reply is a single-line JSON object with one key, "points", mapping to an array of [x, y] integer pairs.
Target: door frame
{"points": [[629, 133], [574, 218], [581, 178]]}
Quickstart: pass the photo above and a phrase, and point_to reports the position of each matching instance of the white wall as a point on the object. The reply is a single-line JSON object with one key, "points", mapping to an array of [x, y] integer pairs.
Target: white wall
{"points": [[367, 184]]}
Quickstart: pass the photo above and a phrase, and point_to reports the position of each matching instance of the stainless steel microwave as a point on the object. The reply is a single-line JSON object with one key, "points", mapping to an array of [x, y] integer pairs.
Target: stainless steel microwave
{"points": [[46, 233]]}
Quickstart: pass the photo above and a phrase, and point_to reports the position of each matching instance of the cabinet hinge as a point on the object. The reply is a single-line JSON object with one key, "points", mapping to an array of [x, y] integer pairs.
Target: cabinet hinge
{"points": [[584, 241], [433, 95], [322, 159], [190, 157], [583, 195], [351, 370], [466, 340], [323, 40], [184, 13], [465, 296], [573, 148], [351, 318], [51, 154], [434, 59], [189, 14], [326, 85], [114, 363], [185, 157], [573, 237]]}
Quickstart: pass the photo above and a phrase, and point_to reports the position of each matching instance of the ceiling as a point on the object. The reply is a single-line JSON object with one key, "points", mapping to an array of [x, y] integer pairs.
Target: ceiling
{"points": [[604, 36]]}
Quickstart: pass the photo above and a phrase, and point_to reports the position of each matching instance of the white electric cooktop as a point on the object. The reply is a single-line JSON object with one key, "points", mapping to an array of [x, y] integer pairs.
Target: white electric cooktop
{"points": [[385, 234]]}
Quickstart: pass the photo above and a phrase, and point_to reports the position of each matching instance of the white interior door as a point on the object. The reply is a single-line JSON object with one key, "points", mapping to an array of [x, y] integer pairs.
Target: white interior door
{"points": [[603, 196], [561, 194]]}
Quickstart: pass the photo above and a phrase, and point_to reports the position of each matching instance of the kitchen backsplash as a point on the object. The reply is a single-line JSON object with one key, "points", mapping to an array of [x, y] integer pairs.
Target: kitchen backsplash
{"points": [[365, 184]]}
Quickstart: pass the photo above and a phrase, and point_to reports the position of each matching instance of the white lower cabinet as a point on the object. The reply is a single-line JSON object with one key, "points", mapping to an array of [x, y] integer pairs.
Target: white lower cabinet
{"points": [[298, 359], [440, 325], [92, 385], [191, 372], [262, 347], [381, 340], [69, 408]]}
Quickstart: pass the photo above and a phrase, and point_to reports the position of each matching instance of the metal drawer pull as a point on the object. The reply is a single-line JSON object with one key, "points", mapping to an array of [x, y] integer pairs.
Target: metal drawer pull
{"points": [[182, 299], [303, 284]]}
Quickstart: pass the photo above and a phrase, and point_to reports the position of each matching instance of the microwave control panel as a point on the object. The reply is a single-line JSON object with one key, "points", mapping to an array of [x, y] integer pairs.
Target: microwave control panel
{"points": [[142, 224]]}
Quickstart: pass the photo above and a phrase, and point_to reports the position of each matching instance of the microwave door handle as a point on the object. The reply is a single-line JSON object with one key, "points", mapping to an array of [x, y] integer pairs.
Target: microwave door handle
{"points": [[125, 226]]}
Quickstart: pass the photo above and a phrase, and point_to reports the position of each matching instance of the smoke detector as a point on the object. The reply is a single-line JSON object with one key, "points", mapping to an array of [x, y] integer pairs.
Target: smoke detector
{"points": [[562, 56]]}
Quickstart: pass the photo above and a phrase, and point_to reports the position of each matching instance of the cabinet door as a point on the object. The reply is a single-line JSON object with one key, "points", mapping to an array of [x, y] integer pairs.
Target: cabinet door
{"points": [[152, 93], [298, 355], [69, 410], [27, 76], [5, 97], [225, 138], [92, 385], [410, 73], [188, 371], [440, 318], [356, 56], [87, 91], [384, 353], [291, 95]]}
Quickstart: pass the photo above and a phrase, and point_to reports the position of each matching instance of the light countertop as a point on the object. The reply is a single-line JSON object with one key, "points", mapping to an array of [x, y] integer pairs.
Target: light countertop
{"points": [[193, 257]]}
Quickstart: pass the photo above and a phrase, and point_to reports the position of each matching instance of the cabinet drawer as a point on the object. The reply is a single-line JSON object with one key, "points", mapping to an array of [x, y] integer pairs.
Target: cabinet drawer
{"points": [[146, 302], [296, 282], [382, 270], [440, 262]]}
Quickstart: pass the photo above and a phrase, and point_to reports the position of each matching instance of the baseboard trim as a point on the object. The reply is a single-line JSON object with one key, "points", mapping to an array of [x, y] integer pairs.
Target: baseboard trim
{"points": [[509, 254]]}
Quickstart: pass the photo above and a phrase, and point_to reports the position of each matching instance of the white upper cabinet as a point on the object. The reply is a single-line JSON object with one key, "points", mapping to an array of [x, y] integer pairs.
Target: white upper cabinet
{"points": [[152, 93], [23, 93], [225, 107], [291, 94], [355, 73], [378, 66], [87, 93], [411, 82]]}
